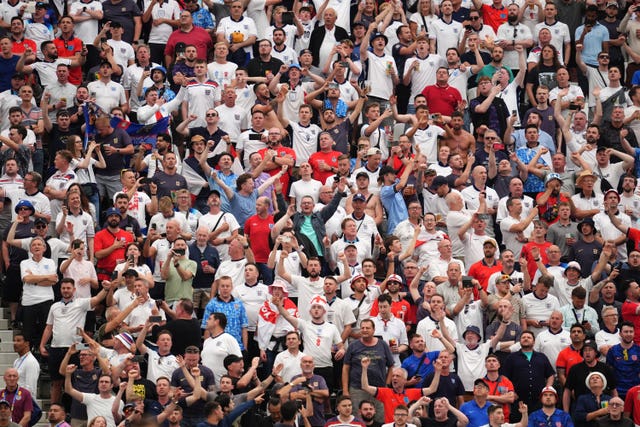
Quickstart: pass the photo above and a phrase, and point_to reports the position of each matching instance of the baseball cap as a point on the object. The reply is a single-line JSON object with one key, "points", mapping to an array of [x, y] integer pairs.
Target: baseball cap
{"points": [[373, 151], [490, 242], [551, 177], [574, 265], [481, 381], [359, 197]]}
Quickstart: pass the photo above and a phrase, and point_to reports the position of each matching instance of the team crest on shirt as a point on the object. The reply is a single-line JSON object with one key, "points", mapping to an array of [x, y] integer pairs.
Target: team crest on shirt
{"points": [[245, 26], [236, 116], [84, 222], [634, 357], [557, 31], [123, 50], [207, 92]]}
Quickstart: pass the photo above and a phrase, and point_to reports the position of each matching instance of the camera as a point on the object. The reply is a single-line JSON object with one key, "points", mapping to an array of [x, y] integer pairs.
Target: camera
{"points": [[467, 282], [179, 251], [617, 265]]}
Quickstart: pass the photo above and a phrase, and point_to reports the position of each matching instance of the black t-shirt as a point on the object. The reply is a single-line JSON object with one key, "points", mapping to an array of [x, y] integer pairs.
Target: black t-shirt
{"points": [[184, 333], [430, 422]]}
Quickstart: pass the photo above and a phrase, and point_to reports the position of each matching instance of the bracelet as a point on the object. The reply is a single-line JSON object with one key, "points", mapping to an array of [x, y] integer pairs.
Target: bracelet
{"points": [[154, 194]]}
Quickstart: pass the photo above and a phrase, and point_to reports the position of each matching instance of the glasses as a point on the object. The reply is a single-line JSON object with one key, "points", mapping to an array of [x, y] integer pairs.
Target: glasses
{"points": [[192, 351], [212, 115], [603, 56], [616, 405], [24, 208], [490, 138], [474, 18], [40, 226]]}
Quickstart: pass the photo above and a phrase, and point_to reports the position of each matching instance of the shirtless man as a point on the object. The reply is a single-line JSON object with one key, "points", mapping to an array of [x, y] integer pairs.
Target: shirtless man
{"points": [[457, 139], [374, 206]]}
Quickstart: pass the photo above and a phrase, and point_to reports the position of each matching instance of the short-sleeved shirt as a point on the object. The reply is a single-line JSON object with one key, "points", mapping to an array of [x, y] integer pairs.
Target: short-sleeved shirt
{"points": [[390, 399]]}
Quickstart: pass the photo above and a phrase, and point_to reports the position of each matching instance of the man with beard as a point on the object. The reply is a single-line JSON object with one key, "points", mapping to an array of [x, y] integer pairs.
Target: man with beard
{"points": [[490, 69], [623, 357], [592, 36], [512, 33], [56, 416], [549, 413], [560, 36], [530, 371], [110, 244], [153, 161], [46, 69], [456, 138]]}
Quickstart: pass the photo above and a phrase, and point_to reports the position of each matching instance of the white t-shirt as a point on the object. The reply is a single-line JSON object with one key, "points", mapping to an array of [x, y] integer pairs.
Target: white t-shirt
{"points": [[160, 366], [33, 294], [85, 30], [122, 52], [446, 35], [170, 9], [305, 140], [215, 349], [427, 140], [471, 363], [290, 363], [302, 188], [560, 35], [552, 344], [238, 31], [233, 120], [307, 289], [318, 340], [107, 95], [97, 406], [380, 76], [539, 309], [222, 74]]}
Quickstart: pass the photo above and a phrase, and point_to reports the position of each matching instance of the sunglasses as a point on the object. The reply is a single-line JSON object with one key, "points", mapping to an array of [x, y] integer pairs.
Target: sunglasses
{"points": [[211, 115], [24, 208], [474, 18], [40, 226]]}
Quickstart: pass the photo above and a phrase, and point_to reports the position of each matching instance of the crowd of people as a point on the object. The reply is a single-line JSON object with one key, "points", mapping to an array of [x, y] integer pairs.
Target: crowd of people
{"points": [[420, 213]]}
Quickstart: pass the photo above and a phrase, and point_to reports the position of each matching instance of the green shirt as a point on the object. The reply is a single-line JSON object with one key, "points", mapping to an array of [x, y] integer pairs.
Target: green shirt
{"points": [[176, 288]]}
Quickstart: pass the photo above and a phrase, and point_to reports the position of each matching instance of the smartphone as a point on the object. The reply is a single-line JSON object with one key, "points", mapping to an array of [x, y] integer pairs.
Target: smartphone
{"points": [[432, 116], [159, 303], [255, 136], [153, 226], [82, 346], [131, 259], [286, 239], [498, 146], [180, 251], [574, 107], [467, 282], [138, 359], [395, 143], [155, 319]]}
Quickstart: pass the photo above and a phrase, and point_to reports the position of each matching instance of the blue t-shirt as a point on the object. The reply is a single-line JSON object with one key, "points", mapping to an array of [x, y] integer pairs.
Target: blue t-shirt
{"points": [[242, 207], [394, 204], [477, 415], [626, 366]]}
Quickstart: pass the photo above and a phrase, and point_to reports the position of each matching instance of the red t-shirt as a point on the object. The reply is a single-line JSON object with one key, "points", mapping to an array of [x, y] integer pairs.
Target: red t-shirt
{"points": [[258, 230], [400, 309], [105, 238], [391, 400], [632, 403], [281, 152], [493, 17], [330, 158], [500, 387], [481, 272], [69, 49], [18, 46], [568, 357], [443, 100], [634, 235], [526, 253], [629, 314]]}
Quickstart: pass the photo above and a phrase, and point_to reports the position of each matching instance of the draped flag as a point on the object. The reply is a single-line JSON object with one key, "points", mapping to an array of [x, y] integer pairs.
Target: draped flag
{"points": [[142, 134]]}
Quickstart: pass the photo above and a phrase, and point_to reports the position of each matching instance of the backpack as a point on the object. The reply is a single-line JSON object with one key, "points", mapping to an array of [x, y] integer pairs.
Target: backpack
{"points": [[36, 414]]}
